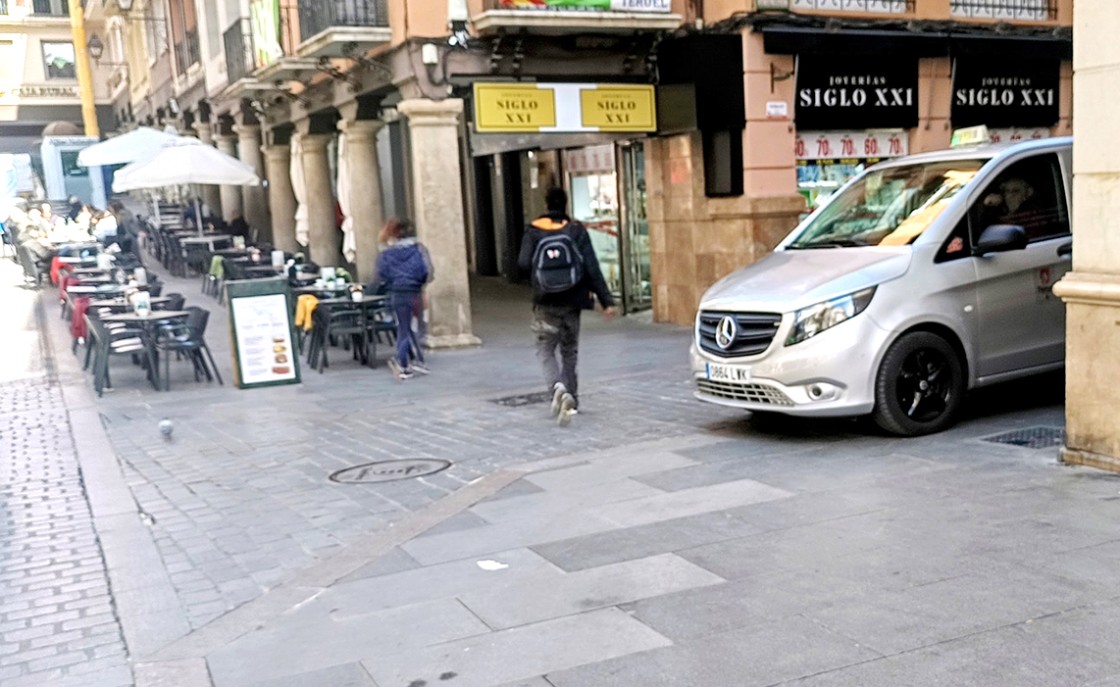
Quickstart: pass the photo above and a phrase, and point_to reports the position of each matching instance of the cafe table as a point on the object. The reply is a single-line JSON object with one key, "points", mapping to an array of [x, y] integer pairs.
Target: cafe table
{"points": [[324, 290], [122, 304], [208, 240], [148, 323], [368, 304]]}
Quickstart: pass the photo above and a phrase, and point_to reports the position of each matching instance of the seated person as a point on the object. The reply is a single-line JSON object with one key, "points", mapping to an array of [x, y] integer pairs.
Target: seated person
{"points": [[1014, 204], [105, 227], [238, 226]]}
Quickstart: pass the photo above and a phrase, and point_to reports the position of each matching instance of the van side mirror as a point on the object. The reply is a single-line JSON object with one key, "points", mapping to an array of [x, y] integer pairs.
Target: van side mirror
{"points": [[1000, 238]]}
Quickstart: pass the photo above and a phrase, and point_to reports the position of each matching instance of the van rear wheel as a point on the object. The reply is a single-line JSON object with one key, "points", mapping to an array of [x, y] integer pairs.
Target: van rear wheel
{"points": [[919, 387]]}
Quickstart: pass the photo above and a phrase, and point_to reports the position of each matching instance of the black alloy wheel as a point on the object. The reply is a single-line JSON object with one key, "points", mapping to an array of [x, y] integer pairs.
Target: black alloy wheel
{"points": [[919, 387]]}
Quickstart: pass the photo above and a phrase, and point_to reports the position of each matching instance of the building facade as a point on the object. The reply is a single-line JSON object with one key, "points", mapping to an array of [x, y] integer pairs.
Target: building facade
{"points": [[38, 77], [691, 135]]}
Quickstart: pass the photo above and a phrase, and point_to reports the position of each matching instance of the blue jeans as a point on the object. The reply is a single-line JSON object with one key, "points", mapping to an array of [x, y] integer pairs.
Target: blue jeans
{"points": [[406, 305]]}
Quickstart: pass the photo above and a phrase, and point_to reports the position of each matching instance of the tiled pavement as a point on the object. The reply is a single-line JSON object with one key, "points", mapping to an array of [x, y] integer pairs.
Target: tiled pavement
{"points": [[58, 625], [657, 541]]}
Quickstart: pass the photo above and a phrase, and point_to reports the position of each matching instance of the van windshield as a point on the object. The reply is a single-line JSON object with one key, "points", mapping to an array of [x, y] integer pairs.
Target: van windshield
{"points": [[888, 207]]}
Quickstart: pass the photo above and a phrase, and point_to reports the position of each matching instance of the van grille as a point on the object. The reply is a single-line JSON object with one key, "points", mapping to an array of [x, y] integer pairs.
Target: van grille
{"points": [[753, 332], [753, 393]]}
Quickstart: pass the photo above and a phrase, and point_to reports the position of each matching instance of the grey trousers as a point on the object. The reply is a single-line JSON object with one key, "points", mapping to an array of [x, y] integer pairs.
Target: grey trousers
{"points": [[558, 327]]}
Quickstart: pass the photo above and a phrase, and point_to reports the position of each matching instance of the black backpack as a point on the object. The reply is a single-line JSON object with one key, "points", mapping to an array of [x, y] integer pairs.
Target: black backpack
{"points": [[557, 264]]}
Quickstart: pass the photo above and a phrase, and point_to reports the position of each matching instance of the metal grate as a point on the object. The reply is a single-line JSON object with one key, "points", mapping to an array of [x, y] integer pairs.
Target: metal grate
{"points": [[523, 399], [1028, 10], [390, 470], [753, 332], [886, 6], [1031, 437], [752, 393]]}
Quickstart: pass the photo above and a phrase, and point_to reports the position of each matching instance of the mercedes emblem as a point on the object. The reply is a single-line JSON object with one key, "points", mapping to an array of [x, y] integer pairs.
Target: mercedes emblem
{"points": [[725, 332]]}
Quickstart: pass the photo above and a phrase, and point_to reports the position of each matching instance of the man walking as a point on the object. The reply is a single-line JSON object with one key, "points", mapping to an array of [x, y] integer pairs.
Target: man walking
{"points": [[557, 252]]}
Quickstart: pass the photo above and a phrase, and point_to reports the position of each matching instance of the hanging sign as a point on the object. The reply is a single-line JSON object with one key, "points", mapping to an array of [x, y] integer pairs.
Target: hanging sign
{"points": [[1023, 93], [856, 94], [260, 317], [564, 107]]}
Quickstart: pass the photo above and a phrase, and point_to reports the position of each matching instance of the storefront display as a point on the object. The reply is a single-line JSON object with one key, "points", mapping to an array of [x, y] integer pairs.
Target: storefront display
{"points": [[827, 159], [593, 191]]}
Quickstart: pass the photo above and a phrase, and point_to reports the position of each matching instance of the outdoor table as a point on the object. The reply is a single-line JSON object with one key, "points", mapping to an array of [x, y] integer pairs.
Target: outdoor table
{"points": [[148, 323], [108, 289], [77, 260], [232, 252], [122, 304], [262, 270], [207, 240], [321, 290], [368, 303], [89, 271]]}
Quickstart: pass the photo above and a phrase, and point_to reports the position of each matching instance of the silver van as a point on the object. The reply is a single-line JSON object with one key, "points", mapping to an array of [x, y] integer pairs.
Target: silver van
{"points": [[921, 278]]}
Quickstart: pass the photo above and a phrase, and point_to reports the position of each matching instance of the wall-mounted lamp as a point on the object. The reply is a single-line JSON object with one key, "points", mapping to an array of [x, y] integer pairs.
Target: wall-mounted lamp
{"points": [[96, 49]]}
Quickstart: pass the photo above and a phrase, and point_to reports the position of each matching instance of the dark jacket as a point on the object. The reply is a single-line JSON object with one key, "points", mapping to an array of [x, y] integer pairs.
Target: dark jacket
{"points": [[593, 282], [402, 267]]}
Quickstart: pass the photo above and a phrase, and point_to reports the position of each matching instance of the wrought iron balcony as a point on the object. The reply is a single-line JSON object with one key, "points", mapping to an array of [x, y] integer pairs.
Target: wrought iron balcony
{"points": [[187, 51], [238, 43], [1021, 10], [884, 6], [317, 16]]}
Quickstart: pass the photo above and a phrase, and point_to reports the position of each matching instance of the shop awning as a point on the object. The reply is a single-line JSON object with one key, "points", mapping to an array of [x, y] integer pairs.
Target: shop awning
{"points": [[492, 144], [781, 39]]}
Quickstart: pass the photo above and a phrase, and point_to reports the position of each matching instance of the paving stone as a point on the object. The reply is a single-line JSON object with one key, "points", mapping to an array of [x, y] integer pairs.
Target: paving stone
{"points": [[345, 675]]}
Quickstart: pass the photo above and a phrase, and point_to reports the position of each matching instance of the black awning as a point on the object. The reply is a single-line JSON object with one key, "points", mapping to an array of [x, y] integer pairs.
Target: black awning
{"points": [[806, 40], [780, 39], [1011, 47]]}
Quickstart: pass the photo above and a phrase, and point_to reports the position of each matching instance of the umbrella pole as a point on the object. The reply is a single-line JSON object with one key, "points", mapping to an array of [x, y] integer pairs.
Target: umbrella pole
{"points": [[198, 215]]}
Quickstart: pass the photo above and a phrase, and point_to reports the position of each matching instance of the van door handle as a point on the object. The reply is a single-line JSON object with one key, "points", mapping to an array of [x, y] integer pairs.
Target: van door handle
{"points": [[1065, 250]]}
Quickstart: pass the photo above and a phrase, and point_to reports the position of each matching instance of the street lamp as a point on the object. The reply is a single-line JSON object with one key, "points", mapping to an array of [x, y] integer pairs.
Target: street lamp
{"points": [[125, 5], [96, 48]]}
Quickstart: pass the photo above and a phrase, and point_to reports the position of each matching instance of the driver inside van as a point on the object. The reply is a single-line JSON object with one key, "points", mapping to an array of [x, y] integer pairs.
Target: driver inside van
{"points": [[1015, 203]]}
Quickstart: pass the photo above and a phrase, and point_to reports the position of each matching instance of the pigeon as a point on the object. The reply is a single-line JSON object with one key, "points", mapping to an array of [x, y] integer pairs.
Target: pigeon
{"points": [[165, 428]]}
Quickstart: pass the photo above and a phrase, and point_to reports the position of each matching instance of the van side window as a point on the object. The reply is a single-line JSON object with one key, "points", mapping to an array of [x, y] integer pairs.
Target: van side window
{"points": [[1030, 193], [958, 245]]}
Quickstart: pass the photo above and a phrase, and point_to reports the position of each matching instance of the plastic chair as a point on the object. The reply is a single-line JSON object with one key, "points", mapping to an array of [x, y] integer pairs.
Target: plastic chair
{"points": [[107, 344], [188, 338], [175, 301], [337, 321]]}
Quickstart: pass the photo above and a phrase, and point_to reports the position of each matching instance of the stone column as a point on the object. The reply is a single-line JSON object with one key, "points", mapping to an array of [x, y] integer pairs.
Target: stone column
{"points": [[211, 194], [281, 199], [230, 195], [365, 197], [255, 205], [324, 239], [1092, 290], [437, 207]]}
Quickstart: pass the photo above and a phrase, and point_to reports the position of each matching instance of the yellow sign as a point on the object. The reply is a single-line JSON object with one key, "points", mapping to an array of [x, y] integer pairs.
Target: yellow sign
{"points": [[513, 107], [619, 108]]}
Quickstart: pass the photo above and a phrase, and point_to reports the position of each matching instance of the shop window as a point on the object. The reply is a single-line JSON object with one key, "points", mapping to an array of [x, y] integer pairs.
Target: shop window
{"points": [[58, 60], [1030, 194], [885, 6], [1025, 10]]}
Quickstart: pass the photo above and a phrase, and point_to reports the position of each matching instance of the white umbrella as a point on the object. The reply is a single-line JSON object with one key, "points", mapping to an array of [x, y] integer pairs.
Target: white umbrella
{"points": [[186, 164], [349, 241], [299, 190], [138, 144]]}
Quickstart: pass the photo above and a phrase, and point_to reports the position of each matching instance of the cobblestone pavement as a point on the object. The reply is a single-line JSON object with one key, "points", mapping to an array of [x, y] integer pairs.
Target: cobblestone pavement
{"points": [[58, 625]]}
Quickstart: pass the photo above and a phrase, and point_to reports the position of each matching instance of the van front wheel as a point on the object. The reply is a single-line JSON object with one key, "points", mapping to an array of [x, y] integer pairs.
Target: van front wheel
{"points": [[919, 387]]}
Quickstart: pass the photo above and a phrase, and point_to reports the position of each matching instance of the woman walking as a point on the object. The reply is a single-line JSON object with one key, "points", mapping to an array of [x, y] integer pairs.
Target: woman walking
{"points": [[403, 270]]}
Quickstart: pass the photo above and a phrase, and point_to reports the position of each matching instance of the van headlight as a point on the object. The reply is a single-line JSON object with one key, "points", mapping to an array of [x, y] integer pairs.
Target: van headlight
{"points": [[808, 322]]}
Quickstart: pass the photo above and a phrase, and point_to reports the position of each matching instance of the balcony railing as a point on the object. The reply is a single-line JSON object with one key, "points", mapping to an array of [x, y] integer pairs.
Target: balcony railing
{"points": [[1024, 10], [238, 43], [883, 6], [316, 17], [187, 51]]}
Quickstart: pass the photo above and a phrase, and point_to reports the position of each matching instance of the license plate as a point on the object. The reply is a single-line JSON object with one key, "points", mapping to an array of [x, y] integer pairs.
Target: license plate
{"points": [[729, 373]]}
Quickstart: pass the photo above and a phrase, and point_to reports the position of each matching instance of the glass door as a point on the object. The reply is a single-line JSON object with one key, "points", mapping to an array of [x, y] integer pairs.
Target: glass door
{"points": [[637, 289]]}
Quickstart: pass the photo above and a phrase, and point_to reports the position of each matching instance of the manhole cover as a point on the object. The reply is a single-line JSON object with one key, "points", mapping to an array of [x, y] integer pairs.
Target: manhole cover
{"points": [[1031, 437], [523, 399], [390, 470]]}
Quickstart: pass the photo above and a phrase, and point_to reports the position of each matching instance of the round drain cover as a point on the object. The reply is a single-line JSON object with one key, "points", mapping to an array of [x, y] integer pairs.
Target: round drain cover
{"points": [[390, 470]]}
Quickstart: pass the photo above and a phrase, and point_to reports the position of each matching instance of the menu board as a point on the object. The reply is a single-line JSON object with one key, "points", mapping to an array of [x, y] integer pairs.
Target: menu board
{"points": [[261, 327]]}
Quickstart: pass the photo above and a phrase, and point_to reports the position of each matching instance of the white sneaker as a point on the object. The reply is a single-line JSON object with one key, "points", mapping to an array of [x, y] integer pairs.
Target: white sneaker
{"points": [[558, 391], [567, 410]]}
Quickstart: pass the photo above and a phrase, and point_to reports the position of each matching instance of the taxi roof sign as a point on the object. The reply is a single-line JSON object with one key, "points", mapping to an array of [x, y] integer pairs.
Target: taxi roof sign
{"points": [[970, 136]]}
